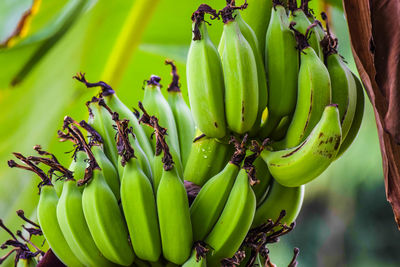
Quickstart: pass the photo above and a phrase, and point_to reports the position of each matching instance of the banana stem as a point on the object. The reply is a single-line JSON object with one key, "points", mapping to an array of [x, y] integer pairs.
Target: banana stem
{"points": [[128, 40]]}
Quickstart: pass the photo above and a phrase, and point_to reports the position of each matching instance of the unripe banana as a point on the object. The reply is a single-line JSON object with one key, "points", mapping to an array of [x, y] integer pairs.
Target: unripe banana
{"points": [[257, 16], [47, 216], [279, 198], [156, 105], [174, 218], [74, 227], [240, 77], [139, 206], [301, 164], [209, 203], [314, 93], [207, 157], [358, 115], [282, 66], [116, 105], [264, 177], [195, 261], [108, 169], [182, 114], [280, 131], [232, 226], [205, 79], [251, 38]]}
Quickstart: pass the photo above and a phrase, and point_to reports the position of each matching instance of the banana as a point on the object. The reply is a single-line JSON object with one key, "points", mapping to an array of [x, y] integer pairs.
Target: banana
{"points": [[156, 105], [197, 259], [207, 157], [299, 165], [279, 198], [182, 114], [257, 16], [29, 262], [344, 88], [74, 227], [47, 214], [240, 76], [234, 222], [280, 131], [358, 115], [112, 100], [205, 80], [314, 93], [282, 66], [139, 208], [250, 36], [298, 15], [209, 203]]}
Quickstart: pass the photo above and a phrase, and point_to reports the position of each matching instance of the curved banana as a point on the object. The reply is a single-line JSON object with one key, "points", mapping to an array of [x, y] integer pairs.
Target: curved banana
{"points": [[282, 66], [182, 114], [112, 100], [279, 198], [299, 165], [264, 177], [74, 227], [314, 93], [280, 131], [344, 88], [209, 203], [205, 79], [257, 16], [174, 218], [207, 157], [240, 77], [195, 261], [358, 116], [234, 222]]}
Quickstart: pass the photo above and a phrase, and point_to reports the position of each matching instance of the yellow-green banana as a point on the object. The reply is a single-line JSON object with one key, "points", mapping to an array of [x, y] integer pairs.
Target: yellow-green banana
{"points": [[282, 66], [182, 114], [207, 157], [139, 206], [314, 93], [358, 115], [264, 177], [240, 77], [279, 198], [234, 222], [209, 203], [205, 79], [299, 165], [195, 260]]}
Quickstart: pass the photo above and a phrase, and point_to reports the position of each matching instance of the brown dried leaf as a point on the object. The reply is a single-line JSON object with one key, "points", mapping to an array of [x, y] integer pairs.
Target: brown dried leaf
{"points": [[374, 31]]}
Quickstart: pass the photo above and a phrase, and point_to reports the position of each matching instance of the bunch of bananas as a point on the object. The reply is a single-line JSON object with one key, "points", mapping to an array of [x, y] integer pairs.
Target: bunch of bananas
{"points": [[124, 201]]}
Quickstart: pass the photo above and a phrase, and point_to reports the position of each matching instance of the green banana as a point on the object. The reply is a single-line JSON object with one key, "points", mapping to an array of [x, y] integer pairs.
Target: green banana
{"points": [[140, 211], [299, 165], [302, 25], [250, 36], [182, 114], [344, 88], [108, 169], [240, 77], [282, 66], [209, 203], [358, 115], [280, 131], [112, 100], [207, 157], [279, 198], [30, 262], [74, 227], [314, 93], [257, 16], [234, 222], [195, 260], [205, 79]]}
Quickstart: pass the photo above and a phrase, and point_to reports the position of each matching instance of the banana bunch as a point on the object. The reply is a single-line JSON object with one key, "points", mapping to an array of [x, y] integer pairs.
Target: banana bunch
{"points": [[269, 111]]}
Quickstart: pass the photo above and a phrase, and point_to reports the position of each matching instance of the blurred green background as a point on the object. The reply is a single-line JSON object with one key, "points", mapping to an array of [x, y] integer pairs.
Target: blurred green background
{"points": [[345, 221]]}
